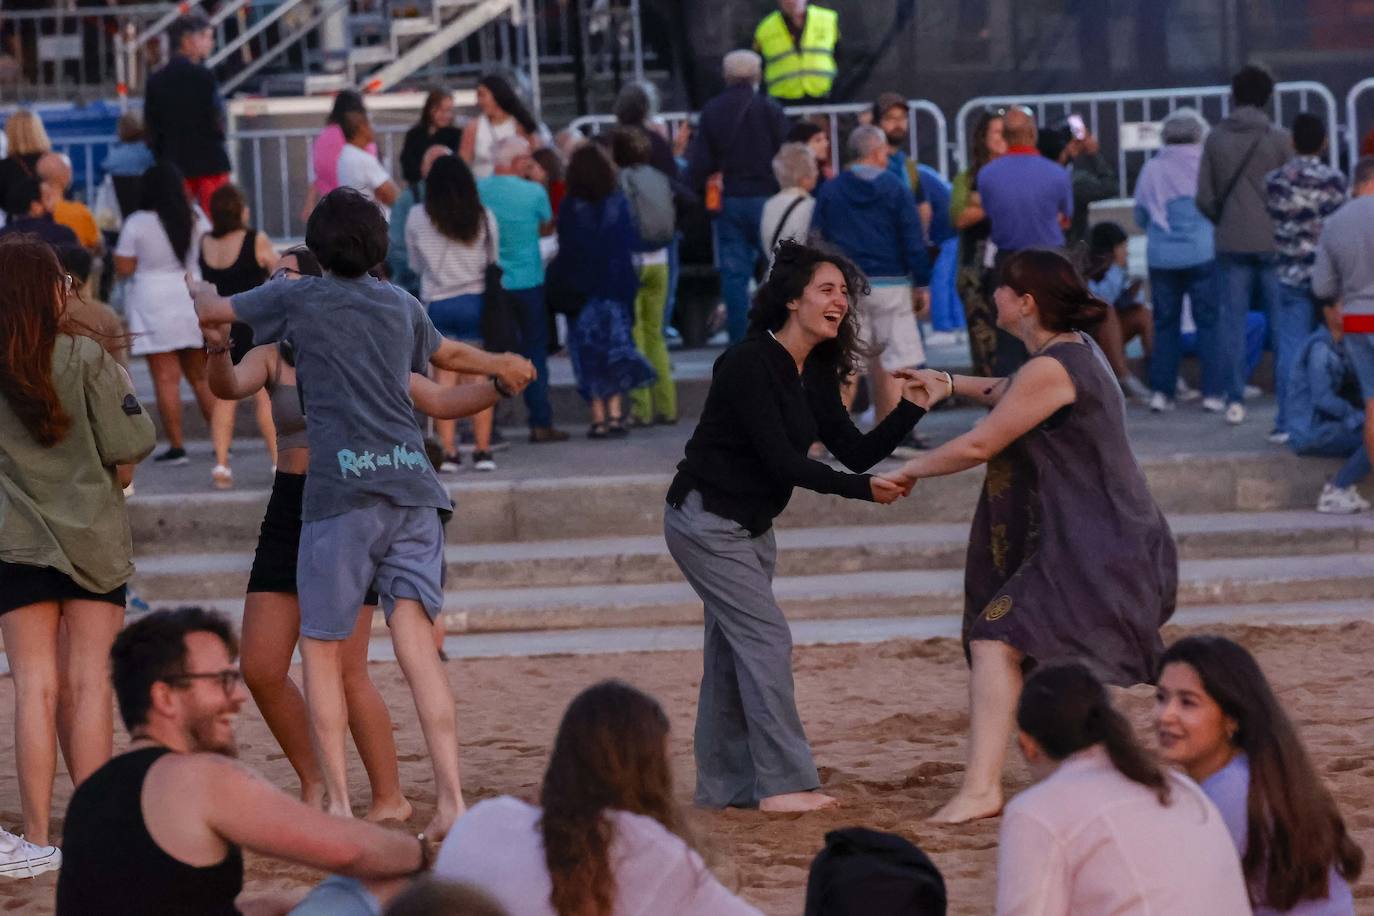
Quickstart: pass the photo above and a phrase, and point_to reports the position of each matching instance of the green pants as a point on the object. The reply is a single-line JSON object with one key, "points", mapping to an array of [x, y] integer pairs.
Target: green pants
{"points": [[660, 398]]}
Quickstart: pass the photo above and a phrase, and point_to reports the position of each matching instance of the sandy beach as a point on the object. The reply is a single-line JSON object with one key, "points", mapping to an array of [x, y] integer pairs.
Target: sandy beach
{"points": [[887, 723]]}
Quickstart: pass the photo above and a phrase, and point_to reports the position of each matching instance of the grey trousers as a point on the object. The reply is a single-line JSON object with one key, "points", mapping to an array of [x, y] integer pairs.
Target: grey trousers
{"points": [[749, 740]]}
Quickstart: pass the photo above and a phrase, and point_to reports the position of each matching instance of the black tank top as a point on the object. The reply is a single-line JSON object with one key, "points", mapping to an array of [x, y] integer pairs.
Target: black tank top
{"points": [[111, 866], [242, 275]]}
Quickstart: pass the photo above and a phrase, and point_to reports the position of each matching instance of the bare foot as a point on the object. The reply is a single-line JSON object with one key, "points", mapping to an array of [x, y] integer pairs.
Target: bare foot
{"points": [[397, 809], [969, 806], [312, 793], [442, 822], [339, 808], [796, 802]]}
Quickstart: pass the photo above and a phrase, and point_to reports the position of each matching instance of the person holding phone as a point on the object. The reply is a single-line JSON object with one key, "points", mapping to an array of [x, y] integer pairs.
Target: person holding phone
{"points": [[1072, 145]]}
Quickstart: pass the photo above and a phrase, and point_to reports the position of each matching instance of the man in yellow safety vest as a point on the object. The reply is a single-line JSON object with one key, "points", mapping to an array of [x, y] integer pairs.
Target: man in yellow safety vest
{"points": [[797, 43]]}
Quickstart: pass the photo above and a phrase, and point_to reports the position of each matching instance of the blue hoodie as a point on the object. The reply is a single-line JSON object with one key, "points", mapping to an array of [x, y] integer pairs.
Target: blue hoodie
{"points": [[870, 215]]}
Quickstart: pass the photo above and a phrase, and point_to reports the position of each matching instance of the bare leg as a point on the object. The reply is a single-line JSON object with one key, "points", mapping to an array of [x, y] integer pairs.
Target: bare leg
{"points": [[193, 366], [91, 630], [30, 634], [440, 634], [481, 422], [994, 689], [324, 698], [370, 722], [222, 416], [1369, 425], [271, 625], [262, 410], [166, 373], [598, 409], [887, 391], [1138, 321], [1108, 337], [445, 429], [614, 409], [65, 712], [411, 635]]}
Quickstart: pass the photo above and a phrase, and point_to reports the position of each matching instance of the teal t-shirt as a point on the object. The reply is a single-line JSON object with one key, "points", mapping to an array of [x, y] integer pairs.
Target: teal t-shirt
{"points": [[520, 206]]}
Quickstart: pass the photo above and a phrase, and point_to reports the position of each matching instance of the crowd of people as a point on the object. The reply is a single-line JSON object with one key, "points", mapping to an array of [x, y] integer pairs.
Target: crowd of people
{"points": [[433, 294]]}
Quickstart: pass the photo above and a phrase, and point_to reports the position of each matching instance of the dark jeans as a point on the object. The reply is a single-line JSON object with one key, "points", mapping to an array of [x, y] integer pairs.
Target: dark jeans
{"points": [[1247, 280], [1168, 287], [534, 329], [1291, 322], [737, 234]]}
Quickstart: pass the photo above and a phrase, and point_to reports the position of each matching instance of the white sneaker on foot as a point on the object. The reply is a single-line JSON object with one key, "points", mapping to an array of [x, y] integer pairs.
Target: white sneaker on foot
{"points": [[1278, 437], [1159, 403], [1184, 393], [1340, 501], [1135, 389], [1252, 392], [21, 859], [1213, 405], [1235, 414]]}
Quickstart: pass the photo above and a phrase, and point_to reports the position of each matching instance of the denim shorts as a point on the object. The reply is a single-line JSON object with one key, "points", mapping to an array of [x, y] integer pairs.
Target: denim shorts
{"points": [[1359, 349], [398, 550], [459, 317]]}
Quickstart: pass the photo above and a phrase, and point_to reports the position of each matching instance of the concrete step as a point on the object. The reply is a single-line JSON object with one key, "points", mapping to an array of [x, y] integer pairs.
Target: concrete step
{"points": [[1270, 580], [552, 507], [802, 551]]}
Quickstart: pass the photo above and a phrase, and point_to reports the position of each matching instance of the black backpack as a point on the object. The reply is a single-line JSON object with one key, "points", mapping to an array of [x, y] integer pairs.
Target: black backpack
{"points": [[863, 872]]}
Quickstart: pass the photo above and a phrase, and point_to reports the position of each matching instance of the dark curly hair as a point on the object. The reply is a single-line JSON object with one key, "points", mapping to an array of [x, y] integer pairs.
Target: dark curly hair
{"points": [[794, 265], [611, 753]]}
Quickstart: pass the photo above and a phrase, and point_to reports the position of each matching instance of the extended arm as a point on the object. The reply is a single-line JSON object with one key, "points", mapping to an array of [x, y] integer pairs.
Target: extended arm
{"points": [[514, 370], [449, 402], [211, 308], [856, 450], [230, 382]]}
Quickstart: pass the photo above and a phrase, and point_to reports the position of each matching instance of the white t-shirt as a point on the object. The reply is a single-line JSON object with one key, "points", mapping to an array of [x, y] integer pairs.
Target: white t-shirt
{"points": [[143, 237], [360, 169], [447, 268], [497, 846]]}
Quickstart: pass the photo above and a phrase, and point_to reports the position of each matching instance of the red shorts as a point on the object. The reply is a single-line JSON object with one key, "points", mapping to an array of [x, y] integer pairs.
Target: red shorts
{"points": [[202, 186]]}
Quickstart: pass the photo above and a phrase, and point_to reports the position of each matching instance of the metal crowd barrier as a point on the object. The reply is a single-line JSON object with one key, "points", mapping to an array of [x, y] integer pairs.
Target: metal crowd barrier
{"points": [[1105, 112], [1363, 91], [935, 135]]}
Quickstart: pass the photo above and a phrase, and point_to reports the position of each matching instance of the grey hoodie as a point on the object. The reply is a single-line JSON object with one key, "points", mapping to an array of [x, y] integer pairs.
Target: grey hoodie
{"points": [[1243, 224]]}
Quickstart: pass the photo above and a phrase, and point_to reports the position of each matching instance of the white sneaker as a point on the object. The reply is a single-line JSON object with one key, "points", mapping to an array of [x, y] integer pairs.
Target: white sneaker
{"points": [[451, 464], [1252, 391], [1159, 403], [1235, 414], [1340, 501], [1278, 437], [1184, 393], [1213, 405], [1135, 389], [21, 859]]}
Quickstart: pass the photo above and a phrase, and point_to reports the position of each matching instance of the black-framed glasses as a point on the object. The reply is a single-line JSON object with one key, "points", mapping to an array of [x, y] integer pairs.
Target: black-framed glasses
{"points": [[229, 679], [284, 272]]}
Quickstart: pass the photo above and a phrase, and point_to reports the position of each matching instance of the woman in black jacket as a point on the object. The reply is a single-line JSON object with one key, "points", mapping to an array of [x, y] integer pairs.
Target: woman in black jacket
{"points": [[435, 128], [771, 396]]}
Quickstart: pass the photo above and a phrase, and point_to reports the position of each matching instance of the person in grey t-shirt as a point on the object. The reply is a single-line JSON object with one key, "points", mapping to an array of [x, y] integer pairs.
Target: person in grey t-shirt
{"points": [[372, 505]]}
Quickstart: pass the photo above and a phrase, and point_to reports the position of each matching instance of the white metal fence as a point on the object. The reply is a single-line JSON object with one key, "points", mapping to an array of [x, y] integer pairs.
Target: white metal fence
{"points": [[926, 126], [1104, 112]]}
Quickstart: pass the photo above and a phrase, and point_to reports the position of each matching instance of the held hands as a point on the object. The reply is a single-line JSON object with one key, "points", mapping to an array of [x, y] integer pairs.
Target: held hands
{"points": [[923, 387], [515, 371], [216, 335], [901, 478], [885, 491]]}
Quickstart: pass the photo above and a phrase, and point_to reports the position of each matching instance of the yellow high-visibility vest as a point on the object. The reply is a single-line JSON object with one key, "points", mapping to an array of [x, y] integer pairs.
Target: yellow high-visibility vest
{"points": [[791, 72]]}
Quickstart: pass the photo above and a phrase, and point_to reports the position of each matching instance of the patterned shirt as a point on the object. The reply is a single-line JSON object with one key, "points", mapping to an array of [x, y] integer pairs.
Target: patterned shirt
{"points": [[1300, 195]]}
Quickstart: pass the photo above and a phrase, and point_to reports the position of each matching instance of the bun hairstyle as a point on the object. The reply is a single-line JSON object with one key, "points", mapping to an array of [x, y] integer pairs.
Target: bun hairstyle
{"points": [[1065, 708], [1062, 297], [1295, 833], [794, 264]]}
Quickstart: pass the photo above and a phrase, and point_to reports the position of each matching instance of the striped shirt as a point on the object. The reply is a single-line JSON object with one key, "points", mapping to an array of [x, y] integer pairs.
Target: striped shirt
{"points": [[447, 268]]}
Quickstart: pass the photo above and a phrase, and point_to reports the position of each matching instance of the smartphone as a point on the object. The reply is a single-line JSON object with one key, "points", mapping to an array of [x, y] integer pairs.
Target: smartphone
{"points": [[1077, 126]]}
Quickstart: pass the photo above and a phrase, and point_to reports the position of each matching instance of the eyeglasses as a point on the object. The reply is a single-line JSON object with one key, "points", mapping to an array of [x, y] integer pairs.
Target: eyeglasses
{"points": [[229, 679], [284, 272]]}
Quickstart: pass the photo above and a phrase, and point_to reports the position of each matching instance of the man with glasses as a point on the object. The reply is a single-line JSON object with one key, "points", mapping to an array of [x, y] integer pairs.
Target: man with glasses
{"points": [[160, 829]]}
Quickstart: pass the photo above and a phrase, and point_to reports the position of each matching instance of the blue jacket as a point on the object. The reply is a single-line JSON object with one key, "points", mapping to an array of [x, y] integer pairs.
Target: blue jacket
{"points": [[1317, 414], [931, 189], [738, 135], [1188, 242], [595, 241], [871, 216]]}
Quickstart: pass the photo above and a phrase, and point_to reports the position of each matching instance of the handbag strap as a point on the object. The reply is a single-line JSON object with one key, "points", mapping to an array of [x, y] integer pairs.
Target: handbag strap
{"points": [[1235, 179], [782, 223], [486, 232]]}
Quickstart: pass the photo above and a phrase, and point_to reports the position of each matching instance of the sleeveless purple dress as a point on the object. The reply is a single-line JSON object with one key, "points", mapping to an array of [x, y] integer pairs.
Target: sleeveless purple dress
{"points": [[1069, 556]]}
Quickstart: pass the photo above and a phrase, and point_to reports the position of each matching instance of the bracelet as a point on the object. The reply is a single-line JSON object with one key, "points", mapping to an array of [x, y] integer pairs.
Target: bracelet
{"points": [[216, 351], [949, 380], [500, 386]]}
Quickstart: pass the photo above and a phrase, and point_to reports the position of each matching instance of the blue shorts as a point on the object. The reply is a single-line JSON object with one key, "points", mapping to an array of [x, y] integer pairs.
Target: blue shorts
{"points": [[1359, 349], [338, 896], [459, 317], [397, 550]]}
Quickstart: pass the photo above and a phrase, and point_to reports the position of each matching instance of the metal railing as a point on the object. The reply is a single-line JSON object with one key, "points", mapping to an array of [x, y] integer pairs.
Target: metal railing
{"points": [[933, 139], [1104, 113], [1353, 133]]}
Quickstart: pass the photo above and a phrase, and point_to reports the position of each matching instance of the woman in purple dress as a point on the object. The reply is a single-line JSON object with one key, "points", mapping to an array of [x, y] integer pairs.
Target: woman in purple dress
{"points": [[1069, 556]]}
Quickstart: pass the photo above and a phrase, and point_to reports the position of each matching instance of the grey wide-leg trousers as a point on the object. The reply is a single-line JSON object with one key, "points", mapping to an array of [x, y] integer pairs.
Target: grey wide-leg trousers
{"points": [[749, 739]]}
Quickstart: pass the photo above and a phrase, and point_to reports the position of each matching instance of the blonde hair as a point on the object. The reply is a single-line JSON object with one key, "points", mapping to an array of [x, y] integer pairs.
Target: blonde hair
{"points": [[25, 133]]}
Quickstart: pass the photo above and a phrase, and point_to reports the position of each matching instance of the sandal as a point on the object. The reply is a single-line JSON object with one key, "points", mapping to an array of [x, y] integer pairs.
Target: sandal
{"points": [[616, 429], [598, 431]]}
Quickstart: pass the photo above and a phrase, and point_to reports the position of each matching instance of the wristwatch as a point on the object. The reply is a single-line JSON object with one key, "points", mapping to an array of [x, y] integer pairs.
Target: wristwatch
{"points": [[500, 386]]}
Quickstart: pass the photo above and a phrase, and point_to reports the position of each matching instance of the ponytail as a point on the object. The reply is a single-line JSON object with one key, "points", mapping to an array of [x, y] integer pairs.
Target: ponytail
{"points": [[1065, 708]]}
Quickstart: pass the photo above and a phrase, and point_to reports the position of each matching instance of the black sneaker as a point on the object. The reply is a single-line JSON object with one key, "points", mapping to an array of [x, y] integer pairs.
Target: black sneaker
{"points": [[172, 456], [482, 461]]}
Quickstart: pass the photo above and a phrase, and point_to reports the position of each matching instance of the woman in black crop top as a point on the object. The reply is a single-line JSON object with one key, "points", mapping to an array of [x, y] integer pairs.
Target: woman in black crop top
{"points": [[771, 396]]}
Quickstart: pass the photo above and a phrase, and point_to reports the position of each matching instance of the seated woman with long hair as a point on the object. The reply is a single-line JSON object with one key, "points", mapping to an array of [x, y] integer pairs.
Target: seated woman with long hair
{"points": [[1217, 717], [1105, 829], [608, 839]]}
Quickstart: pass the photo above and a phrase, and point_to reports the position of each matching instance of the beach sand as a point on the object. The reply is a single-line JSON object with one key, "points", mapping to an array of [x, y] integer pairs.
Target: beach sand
{"points": [[887, 723]]}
